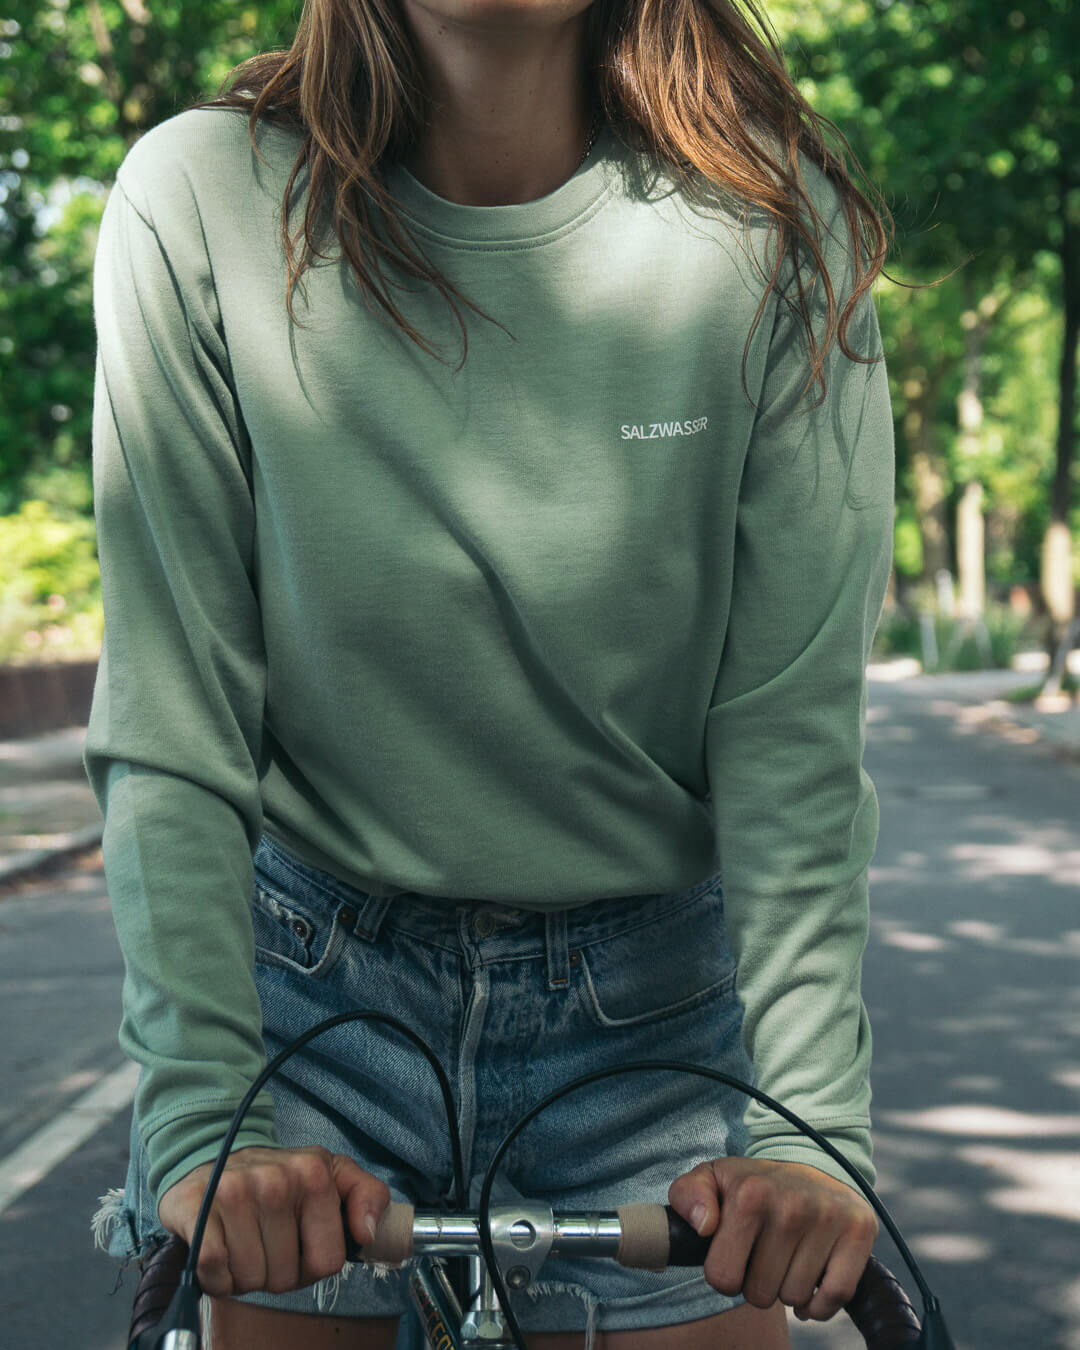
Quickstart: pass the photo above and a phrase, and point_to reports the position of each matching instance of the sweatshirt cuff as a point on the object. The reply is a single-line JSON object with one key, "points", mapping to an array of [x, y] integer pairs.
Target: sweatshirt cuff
{"points": [[183, 1142], [854, 1144]]}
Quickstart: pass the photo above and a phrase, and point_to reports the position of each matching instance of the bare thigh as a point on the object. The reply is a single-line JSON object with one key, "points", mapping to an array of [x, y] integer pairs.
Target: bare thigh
{"points": [[741, 1328], [246, 1326]]}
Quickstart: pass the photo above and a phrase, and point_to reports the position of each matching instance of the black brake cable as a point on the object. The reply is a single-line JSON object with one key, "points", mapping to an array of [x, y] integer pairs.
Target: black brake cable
{"points": [[183, 1311], [935, 1334]]}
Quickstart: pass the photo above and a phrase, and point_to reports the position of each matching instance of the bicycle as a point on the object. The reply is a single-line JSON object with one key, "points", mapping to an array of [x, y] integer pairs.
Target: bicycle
{"points": [[505, 1245]]}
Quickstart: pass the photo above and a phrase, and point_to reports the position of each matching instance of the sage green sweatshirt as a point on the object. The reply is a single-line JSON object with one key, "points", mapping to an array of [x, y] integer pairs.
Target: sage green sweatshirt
{"points": [[572, 623]]}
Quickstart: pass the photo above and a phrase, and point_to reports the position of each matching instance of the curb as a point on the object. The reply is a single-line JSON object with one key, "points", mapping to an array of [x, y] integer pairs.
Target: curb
{"points": [[30, 861]]}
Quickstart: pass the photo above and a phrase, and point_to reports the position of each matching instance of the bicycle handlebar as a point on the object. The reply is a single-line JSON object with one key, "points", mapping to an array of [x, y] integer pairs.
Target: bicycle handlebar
{"points": [[643, 1235]]}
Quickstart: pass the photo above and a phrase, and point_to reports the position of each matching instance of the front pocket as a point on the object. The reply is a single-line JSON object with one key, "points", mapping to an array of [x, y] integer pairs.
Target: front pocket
{"points": [[292, 936], [669, 965]]}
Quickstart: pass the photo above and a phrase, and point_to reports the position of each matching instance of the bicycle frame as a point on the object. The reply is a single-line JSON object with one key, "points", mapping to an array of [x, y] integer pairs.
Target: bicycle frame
{"points": [[522, 1236]]}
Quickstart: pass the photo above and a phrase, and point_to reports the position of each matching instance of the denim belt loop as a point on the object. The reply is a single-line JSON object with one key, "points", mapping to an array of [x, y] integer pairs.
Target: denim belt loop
{"points": [[558, 950], [367, 922]]}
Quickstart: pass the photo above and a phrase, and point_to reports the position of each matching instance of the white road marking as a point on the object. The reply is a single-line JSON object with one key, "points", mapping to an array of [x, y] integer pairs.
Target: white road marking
{"points": [[50, 1145]]}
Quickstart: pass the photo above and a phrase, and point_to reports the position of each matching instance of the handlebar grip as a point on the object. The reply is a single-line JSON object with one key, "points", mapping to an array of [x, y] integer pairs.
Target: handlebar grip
{"points": [[158, 1283], [881, 1309], [656, 1236], [161, 1271], [393, 1240]]}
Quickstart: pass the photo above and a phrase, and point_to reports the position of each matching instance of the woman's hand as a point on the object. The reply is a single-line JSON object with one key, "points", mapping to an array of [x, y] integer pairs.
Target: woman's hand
{"points": [[784, 1229], [275, 1222]]}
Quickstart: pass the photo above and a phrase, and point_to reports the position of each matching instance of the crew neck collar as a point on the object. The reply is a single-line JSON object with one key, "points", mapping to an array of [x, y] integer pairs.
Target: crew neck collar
{"points": [[513, 222]]}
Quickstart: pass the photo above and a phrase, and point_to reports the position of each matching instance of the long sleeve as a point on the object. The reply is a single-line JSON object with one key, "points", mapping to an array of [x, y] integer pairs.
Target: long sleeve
{"points": [[174, 735], [795, 812]]}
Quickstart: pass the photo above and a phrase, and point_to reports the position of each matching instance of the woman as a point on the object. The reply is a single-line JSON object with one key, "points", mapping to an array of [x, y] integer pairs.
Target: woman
{"points": [[444, 692]]}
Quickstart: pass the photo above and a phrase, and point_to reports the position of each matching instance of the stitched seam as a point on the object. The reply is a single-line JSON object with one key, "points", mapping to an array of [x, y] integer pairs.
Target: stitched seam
{"points": [[516, 246], [642, 923], [657, 1015]]}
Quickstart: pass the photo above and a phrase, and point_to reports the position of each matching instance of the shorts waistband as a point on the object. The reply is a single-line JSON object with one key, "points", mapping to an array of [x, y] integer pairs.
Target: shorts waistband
{"points": [[487, 930]]}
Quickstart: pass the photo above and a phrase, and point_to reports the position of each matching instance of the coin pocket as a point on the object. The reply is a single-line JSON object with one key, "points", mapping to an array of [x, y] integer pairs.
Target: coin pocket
{"points": [[291, 935], [675, 962]]}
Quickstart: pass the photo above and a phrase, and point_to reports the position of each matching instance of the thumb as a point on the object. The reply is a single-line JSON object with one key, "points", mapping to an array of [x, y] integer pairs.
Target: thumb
{"points": [[695, 1195], [364, 1197]]}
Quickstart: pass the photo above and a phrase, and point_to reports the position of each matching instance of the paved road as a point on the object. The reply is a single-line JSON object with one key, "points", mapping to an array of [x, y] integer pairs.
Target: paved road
{"points": [[969, 976]]}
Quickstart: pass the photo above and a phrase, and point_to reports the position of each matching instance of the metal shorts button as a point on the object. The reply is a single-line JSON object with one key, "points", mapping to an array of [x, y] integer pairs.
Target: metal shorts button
{"points": [[484, 923]]}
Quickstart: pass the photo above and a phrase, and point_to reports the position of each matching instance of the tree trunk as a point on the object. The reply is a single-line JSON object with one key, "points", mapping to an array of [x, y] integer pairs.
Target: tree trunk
{"points": [[970, 532], [971, 552], [1059, 589], [928, 479]]}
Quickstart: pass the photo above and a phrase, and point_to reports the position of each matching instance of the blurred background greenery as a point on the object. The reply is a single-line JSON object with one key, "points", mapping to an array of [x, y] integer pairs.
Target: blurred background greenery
{"points": [[964, 113]]}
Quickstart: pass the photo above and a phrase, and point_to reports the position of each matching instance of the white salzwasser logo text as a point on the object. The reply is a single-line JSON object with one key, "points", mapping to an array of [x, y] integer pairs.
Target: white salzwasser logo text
{"points": [[645, 431]]}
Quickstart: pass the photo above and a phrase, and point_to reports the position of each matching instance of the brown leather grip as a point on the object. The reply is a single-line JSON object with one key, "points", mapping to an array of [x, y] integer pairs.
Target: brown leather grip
{"points": [[158, 1282], [392, 1244], [654, 1237], [881, 1309]]}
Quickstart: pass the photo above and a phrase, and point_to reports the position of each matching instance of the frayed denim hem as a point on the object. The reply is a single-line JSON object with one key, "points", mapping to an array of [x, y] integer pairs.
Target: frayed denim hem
{"points": [[110, 1217], [592, 1303], [325, 1291]]}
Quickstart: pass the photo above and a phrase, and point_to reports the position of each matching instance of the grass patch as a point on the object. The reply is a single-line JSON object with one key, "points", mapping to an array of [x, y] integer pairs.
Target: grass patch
{"points": [[1028, 693]]}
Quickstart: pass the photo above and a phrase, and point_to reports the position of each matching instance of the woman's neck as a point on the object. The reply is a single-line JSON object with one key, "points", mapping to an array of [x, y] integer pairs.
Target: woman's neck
{"points": [[511, 112]]}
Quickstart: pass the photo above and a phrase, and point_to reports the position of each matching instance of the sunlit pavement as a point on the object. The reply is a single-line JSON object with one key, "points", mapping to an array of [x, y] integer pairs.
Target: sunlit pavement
{"points": [[970, 979]]}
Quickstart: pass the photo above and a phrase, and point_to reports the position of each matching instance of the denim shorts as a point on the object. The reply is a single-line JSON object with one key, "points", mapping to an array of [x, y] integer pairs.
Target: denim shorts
{"points": [[515, 1003]]}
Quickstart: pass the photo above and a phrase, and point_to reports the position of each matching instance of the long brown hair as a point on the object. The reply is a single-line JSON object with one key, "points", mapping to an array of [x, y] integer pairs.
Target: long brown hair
{"points": [[688, 81]]}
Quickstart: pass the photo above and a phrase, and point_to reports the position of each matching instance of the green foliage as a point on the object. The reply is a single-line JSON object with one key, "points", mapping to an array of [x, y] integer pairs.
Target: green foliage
{"points": [[907, 543], [47, 344], [50, 587], [962, 112], [79, 84], [964, 115]]}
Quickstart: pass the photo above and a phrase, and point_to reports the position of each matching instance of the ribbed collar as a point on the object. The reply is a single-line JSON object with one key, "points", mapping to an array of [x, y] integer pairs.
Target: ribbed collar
{"points": [[515, 222]]}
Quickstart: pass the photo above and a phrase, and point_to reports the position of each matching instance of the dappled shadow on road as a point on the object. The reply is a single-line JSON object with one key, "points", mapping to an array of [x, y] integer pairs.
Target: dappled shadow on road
{"points": [[970, 979]]}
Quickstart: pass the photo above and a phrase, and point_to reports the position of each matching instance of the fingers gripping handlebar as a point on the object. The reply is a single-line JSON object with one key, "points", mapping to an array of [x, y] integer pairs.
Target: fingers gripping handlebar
{"points": [[644, 1235], [654, 1236], [880, 1307]]}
